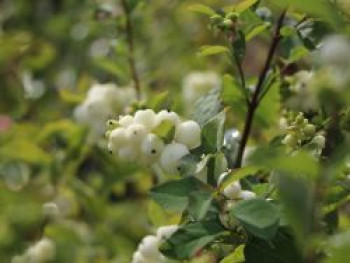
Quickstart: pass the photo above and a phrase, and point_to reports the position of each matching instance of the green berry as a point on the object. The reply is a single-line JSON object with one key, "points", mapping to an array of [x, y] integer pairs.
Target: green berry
{"points": [[309, 130]]}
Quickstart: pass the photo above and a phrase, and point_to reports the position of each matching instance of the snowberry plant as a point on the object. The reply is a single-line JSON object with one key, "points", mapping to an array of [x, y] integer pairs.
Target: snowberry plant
{"points": [[285, 200]]}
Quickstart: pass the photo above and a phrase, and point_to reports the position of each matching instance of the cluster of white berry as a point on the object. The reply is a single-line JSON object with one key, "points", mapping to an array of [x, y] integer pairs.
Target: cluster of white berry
{"points": [[102, 102], [197, 84], [41, 252], [148, 252], [133, 138], [234, 193]]}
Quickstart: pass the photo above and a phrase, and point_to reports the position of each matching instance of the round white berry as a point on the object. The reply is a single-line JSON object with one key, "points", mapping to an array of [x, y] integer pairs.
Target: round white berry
{"points": [[171, 155], [188, 133], [165, 232], [152, 146], [149, 247], [233, 190], [128, 153], [118, 137], [138, 258], [136, 132], [51, 210], [42, 251], [126, 121], [146, 118], [246, 195], [167, 116], [320, 141]]}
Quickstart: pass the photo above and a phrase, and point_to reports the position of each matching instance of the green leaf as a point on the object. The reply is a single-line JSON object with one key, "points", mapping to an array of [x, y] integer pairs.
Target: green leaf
{"points": [[236, 256], [110, 67], [165, 130], [212, 50], [268, 111], [24, 150], [213, 133], [296, 195], [203, 9], [257, 30], [338, 248], [159, 217], [276, 158], [238, 174], [258, 216], [207, 107], [242, 5], [320, 8], [190, 239], [160, 101], [287, 31], [215, 167], [233, 96], [174, 195], [199, 205], [281, 249], [297, 54]]}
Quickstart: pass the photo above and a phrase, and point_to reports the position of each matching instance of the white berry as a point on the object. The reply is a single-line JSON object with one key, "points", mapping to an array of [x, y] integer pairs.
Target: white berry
{"points": [[146, 118], [188, 133], [118, 137], [126, 121], [128, 153], [136, 132], [138, 258], [246, 195], [167, 116], [233, 190], [152, 146], [149, 247], [171, 155], [165, 232]]}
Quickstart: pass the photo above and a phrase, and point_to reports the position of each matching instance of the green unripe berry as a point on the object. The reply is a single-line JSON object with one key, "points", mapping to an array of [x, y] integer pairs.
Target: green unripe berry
{"points": [[309, 130], [290, 140], [299, 120], [232, 16], [216, 19], [227, 23]]}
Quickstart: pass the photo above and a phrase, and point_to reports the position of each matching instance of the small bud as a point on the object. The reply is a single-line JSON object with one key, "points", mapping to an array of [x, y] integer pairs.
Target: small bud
{"points": [[233, 16], [216, 19]]}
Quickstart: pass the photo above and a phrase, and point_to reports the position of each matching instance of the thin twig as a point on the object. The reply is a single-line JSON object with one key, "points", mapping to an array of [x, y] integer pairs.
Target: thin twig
{"points": [[254, 103], [130, 41]]}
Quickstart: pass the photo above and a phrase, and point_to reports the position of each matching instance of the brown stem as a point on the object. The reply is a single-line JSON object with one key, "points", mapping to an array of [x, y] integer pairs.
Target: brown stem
{"points": [[130, 41], [254, 103]]}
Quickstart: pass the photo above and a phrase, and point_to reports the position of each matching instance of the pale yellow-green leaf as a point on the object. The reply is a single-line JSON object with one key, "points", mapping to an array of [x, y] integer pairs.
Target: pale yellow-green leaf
{"points": [[212, 50], [159, 217], [203, 9], [257, 30], [238, 174], [241, 6], [236, 256], [24, 150]]}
